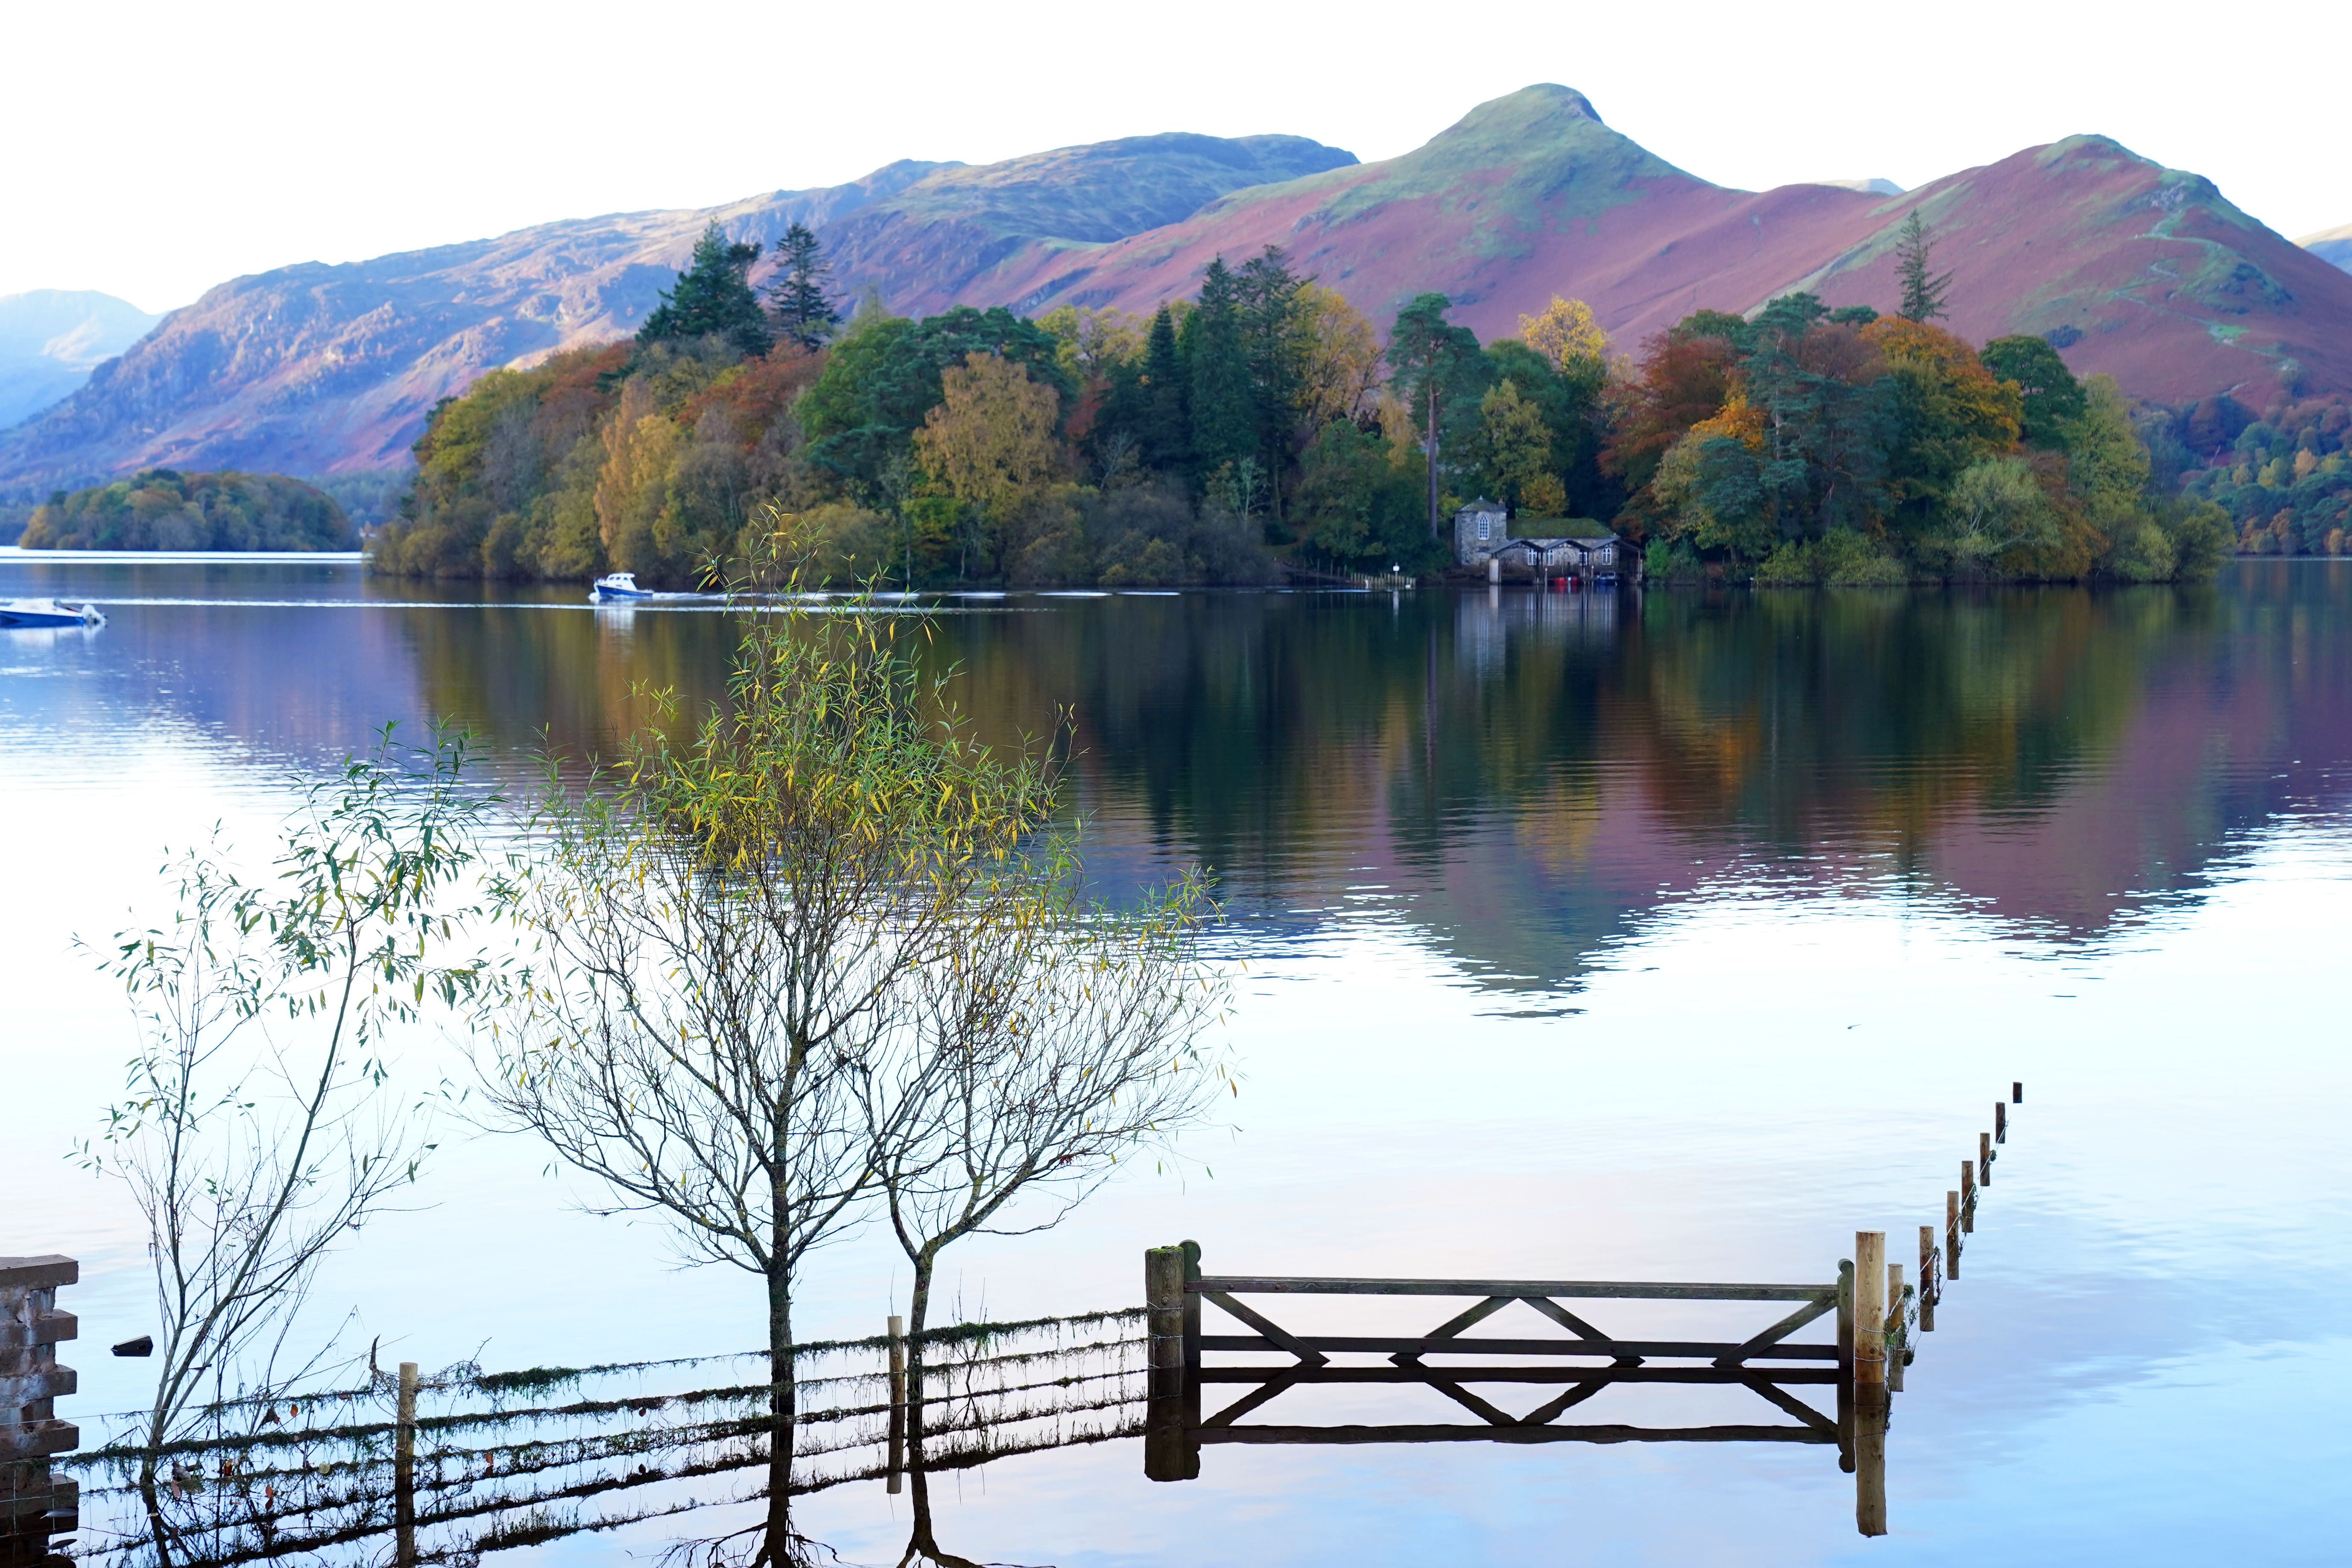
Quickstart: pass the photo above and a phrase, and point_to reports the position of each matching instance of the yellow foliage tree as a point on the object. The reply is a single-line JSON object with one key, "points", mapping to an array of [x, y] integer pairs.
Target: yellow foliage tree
{"points": [[1517, 443], [1340, 368], [992, 440], [1566, 334], [1093, 343]]}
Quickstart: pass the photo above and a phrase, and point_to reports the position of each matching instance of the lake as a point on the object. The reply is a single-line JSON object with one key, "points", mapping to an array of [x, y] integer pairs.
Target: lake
{"points": [[1655, 937]]}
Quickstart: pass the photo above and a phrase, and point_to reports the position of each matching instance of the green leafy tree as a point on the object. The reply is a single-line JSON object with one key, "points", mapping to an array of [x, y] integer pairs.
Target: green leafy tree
{"points": [[1433, 364], [2053, 398], [1923, 289], [713, 298], [802, 311]]}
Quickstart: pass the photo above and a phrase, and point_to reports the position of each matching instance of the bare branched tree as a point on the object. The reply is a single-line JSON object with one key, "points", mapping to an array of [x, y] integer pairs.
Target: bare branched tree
{"points": [[1054, 1039], [730, 927], [254, 1136]]}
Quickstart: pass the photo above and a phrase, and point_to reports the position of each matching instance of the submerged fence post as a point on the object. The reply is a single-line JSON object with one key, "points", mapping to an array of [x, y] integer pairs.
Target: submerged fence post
{"points": [[1870, 1471], [1869, 1318], [2000, 1121], [1899, 1339], [1845, 1365], [1984, 1159], [2017, 1094], [897, 1334], [1951, 1236], [1163, 1309], [1969, 1196], [403, 1469], [34, 1505], [1192, 1400], [1927, 1278]]}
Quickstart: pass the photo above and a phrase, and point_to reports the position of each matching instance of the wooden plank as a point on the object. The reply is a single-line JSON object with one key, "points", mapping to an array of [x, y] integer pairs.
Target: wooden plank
{"points": [[1267, 1327], [1247, 1403], [45, 1329], [1523, 1433], [1388, 1344], [1455, 1324], [46, 1271], [1821, 1374], [1549, 1410], [1574, 1290], [1765, 1342], [21, 1389], [1473, 1404], [1576, 1325], [1792, 1404], [35, 1438]]}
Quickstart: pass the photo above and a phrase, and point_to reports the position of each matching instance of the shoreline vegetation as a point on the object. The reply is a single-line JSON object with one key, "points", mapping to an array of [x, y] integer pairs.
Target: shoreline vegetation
{"points": [[163, 509], [1263, 430]]}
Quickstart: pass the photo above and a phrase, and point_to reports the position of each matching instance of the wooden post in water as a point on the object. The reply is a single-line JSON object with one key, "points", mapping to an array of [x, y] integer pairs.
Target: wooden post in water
{"points": [[34, 1504], [2017, 1094], [1845, 1365], [1869, 1318], [1951, 1236], [1984, 1159], [1164, 1421], [404, 1470], [898, 1401], [1192, 1395], [2000, 1123], [1898, 1347], [1969, 1196], [1870, 1471], [1927, 1278]]}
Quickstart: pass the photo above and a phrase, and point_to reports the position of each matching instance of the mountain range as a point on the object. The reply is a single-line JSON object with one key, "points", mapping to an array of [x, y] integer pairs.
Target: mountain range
{"points": [[2128, 266], [51, 339]]}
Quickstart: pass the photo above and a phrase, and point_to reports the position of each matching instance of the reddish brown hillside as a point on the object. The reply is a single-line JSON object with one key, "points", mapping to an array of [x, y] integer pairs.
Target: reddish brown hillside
{"points": [[2139, 270]]}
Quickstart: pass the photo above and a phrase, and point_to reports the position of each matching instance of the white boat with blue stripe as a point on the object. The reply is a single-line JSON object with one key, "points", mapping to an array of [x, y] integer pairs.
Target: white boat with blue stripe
{"points": [[617, 587]]}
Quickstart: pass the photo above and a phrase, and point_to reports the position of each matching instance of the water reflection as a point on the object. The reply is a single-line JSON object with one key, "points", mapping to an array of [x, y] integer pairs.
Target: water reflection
{"points": [[1523, 777]]}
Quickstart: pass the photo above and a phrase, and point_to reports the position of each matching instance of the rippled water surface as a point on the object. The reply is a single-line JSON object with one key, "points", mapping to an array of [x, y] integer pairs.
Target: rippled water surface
{"points": [[1575, 937]]}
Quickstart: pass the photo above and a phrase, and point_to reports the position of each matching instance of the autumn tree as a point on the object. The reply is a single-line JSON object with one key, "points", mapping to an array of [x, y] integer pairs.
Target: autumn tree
{"points": [[2051, 395], [1567, 335], [1340, 364], [990, 439], [711, 297], [802, 311], [1515, 452], [1923, 289]]}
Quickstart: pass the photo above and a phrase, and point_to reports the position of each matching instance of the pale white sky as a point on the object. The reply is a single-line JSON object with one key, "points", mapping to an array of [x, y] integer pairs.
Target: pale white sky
{"points": [[157, 149]]}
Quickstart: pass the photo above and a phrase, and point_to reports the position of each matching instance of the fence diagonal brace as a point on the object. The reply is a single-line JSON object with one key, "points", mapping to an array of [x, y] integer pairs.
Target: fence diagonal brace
{"points": [[1777, 1332], [1473, 1404], [1249, 1402], [1577, 1326], [1792, 1403], [1454, 1325], [1551, 1410], [1269, 1328]]}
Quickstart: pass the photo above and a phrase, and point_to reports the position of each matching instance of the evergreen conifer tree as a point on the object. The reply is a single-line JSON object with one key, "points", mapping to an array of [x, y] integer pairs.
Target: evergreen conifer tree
{"points": [[797, 301], [1225, 421], [1275, 339], [711, 297], [1922, 290], [1166, 437]]}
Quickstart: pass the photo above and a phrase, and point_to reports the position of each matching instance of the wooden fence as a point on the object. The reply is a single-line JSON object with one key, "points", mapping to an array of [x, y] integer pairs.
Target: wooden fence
{"points": [[35, 1505], [1873, 1307]]}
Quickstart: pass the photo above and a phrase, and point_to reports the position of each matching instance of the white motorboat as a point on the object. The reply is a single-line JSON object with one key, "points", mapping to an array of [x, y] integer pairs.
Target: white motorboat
{"points": [[15, 614], [614, 587]]}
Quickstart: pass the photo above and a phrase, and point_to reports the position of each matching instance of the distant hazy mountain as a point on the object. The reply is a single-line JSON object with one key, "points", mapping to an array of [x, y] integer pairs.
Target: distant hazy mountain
{"points": [[51, 339], [2131, 268], [2331, 245], [1874, 187]]}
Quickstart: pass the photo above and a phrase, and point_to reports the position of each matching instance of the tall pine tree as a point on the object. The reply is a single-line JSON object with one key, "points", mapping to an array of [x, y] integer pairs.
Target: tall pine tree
{"points": [[1224, 420], [803, 313], [713, 298], [1432, 359], [1165, 438], [1922, 290], [1275, 339]]}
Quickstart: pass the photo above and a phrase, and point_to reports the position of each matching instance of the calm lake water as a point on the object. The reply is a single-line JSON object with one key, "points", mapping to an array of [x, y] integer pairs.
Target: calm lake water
{"points": [[1659, 938]]}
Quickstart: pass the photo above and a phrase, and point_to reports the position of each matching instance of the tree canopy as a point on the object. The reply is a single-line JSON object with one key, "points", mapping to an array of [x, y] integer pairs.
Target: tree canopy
{"points": [[713, 298]]}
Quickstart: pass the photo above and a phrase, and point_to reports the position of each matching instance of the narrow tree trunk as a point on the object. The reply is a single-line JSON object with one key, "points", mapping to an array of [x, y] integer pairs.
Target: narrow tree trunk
{"points": [[1432, 462], [783, 1401], [918, 1309]]}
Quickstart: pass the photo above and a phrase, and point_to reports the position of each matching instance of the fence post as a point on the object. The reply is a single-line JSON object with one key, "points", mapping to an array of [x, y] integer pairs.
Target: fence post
{"points": [[403, 1469], [2000, 1121], [1969, 1196], [2017, 1094], [1984, 1159], [1845, 1365], [1898, 1337], [1163, 1307], [1869, 1318], [1927, 1279], [1951, 1236], [34, 1505], [1870, 1471], [897, 1333], [1191, 1404]]}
